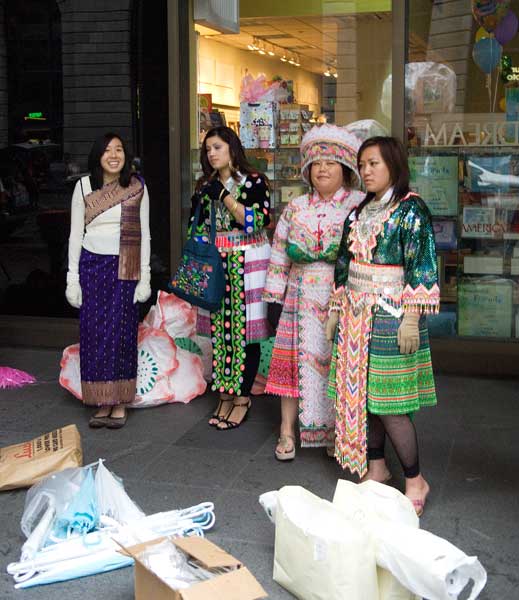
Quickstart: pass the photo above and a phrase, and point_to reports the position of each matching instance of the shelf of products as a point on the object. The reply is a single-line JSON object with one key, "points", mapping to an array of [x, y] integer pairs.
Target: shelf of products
{"points": [[473, 195]]}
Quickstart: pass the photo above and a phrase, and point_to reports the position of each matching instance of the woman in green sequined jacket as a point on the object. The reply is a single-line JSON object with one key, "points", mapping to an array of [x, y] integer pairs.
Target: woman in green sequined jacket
{"points": [[385, 281]]}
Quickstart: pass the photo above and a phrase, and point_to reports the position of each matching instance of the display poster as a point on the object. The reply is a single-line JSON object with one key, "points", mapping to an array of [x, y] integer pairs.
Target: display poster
{"points": [[435, 179], [484, 222], [485, 308], [488, 173], [445, 235]]}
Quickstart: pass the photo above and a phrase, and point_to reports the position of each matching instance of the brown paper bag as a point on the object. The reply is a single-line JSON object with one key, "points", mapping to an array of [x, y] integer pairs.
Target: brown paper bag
{"points": [[23, 464]]}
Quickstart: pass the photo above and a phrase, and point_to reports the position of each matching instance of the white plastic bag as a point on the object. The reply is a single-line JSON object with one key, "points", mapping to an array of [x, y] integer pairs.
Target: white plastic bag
{"points": [[112, 499], [423, 563], [320, 554]]}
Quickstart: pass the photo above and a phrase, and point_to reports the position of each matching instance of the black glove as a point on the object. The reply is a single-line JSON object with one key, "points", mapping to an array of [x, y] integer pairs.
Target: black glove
{"points": [[214, 188], [273, 314]]}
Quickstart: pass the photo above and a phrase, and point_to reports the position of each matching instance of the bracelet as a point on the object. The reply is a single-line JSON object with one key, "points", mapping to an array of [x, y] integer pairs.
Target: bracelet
{"points": [[233, 208]]}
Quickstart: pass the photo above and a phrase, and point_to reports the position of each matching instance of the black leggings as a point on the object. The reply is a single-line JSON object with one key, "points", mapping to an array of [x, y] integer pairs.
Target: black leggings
{"points": [[252, 361], [402, 433]]}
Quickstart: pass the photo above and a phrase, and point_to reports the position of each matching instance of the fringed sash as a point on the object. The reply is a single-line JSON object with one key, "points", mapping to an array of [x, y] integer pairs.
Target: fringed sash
{"points": [[130, 198], [369, 284]]}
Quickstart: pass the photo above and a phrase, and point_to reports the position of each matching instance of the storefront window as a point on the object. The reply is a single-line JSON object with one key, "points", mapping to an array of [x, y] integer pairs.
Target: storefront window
{"points": [[292, 65], [462, 94]]}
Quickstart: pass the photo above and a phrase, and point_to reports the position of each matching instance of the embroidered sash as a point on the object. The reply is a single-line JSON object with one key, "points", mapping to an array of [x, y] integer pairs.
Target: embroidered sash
{"points": [[130, 198]]}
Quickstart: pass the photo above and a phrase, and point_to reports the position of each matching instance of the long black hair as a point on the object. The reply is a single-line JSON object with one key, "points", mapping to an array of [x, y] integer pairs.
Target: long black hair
{"points": [[94, 161], [395, 157], [239, 161]]}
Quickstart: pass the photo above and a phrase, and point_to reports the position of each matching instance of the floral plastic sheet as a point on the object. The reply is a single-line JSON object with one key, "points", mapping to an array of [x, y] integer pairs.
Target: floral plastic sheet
{"points": [[170, 366]]}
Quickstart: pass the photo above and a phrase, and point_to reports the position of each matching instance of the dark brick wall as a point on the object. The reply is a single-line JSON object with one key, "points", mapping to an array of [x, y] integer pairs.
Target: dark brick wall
{"points": [[96, 72], [3, 81]]}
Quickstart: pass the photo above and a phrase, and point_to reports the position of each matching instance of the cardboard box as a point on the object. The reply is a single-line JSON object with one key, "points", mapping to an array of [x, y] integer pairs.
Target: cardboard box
{"points": [[238, 584]]}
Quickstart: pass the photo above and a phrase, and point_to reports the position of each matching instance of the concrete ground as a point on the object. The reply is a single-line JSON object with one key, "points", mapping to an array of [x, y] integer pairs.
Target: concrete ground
{"points": [[169, 458]]}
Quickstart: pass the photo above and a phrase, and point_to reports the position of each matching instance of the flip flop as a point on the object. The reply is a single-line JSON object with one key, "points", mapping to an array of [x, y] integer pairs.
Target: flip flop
{"points": [[286, 441]]}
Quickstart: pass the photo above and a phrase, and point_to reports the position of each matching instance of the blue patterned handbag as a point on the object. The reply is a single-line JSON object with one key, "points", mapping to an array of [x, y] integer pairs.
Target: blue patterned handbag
{"points": [[200, 278]]}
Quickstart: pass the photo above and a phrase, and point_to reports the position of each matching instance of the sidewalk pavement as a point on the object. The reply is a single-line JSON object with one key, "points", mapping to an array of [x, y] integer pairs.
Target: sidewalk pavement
{"points": [[169, 458]]}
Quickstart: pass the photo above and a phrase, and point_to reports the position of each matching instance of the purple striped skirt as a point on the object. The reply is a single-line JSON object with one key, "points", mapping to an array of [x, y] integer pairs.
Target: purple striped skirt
{"points": [[108, 326]]}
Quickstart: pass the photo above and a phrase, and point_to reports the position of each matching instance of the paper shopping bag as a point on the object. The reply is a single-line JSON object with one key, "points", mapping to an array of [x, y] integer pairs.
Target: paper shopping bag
{"points": [[23, 464]]}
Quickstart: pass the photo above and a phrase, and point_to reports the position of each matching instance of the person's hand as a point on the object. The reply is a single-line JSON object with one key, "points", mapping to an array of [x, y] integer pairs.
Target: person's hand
{"points": [[408, 335], [487, 178], [73, 290], [214, 188], [143, 289], [331, 325], [274, 310]]}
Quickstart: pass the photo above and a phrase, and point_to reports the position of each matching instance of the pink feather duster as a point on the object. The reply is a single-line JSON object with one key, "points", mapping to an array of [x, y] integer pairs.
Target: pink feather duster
{"points": [[14, 378]]}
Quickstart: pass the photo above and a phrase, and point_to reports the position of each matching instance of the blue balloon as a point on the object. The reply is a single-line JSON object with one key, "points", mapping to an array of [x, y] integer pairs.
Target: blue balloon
{"points": [[487, 54]]}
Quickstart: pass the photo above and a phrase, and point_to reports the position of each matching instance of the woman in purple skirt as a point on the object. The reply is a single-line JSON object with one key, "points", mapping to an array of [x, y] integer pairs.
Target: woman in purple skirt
{"points": [[108, 273]]}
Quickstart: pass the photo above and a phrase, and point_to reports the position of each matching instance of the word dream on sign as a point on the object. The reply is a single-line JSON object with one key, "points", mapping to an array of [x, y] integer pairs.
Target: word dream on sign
{"points": [[473, 134]]}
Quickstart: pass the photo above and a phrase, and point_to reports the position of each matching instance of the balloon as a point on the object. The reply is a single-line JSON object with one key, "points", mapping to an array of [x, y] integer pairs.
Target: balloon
{"points": [[488, 13], [487, 54], [502, 104], [481, 33], [507, 28]]}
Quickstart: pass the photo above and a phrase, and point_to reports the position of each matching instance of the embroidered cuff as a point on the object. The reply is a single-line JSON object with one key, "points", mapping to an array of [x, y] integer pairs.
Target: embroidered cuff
{"points": [[421, 299], [249, 224], [272, 297]]}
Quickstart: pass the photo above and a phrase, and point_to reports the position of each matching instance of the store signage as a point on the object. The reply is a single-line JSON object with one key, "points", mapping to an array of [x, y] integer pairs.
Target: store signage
{"points": [[505, 133], [513, 75], [35, 116]]}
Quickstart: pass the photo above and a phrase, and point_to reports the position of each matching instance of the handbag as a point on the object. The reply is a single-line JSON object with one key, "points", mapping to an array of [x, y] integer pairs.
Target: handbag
{"points": [[200, 278]]}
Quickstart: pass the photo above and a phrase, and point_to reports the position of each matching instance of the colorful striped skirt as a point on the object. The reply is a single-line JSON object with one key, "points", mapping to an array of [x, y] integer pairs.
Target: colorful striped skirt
{"points": [[242, 318], [368, 373], [108, 322]]}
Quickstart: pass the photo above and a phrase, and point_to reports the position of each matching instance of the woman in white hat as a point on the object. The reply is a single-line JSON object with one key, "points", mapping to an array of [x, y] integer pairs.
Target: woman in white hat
{"points": [[299, 283]]}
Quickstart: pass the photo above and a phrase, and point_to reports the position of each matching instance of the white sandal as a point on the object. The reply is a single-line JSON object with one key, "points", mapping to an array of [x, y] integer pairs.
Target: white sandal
{"points": [[286, 442]]}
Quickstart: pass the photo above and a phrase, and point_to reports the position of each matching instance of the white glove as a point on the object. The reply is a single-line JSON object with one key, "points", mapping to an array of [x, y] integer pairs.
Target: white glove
{"points": [[143, 289], [331, 325], [73, 290], [408, 335]]}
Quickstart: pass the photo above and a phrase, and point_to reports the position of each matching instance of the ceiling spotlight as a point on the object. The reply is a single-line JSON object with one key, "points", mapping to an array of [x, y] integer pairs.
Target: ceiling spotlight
{"points": [[292, 60], [271, 51], [335, 74], [296, 61], [283, 58], [251, 47], [327, 72], [261, 48]]}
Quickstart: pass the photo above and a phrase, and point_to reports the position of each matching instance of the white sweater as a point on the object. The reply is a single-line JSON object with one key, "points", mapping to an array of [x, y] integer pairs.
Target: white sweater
{"points": [[102, 234]]}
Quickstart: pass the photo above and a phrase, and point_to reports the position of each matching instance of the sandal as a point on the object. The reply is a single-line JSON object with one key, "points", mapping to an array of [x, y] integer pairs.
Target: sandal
{"points": [[288, 445], [226, 421], [218, 414], [418, 504]]}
